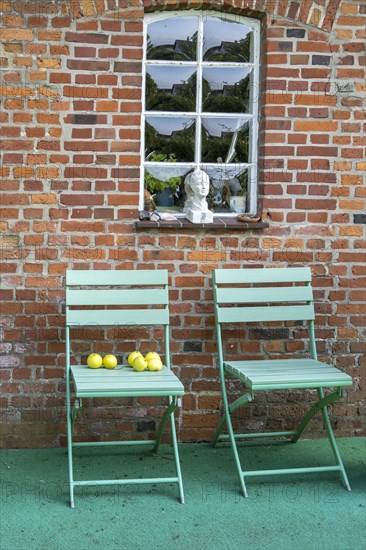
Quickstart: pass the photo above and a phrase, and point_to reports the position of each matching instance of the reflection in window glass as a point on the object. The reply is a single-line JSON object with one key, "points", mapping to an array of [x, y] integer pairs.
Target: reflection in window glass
{"points": [[225, 140], [201, 107], [226, 41], [173, 39], [170, 136], [170, 88], [166, 184], [226, 90], [228, 188]]}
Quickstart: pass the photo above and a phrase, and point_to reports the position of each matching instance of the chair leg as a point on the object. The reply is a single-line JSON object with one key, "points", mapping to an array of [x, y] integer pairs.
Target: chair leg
{"points": [[322, 404], [173, 403], [69, 421], [227, 418], [169, 413], [172, 407], [176, 456], [333, 443]]}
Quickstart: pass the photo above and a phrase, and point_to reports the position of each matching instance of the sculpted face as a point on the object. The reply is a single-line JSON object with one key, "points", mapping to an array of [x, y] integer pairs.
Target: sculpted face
{"points": [[201, 183]]}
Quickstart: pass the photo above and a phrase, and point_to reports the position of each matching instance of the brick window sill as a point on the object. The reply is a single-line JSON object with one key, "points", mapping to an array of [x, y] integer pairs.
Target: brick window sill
{"points": [[184, 224]]}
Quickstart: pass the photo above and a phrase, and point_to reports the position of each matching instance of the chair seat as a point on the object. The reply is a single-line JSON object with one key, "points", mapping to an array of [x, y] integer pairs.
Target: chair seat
{"points": [[123, 381], [287, 374]]}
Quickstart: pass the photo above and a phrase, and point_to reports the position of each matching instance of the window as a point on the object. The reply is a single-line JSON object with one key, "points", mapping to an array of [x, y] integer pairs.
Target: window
{"points": [[200, 109]]}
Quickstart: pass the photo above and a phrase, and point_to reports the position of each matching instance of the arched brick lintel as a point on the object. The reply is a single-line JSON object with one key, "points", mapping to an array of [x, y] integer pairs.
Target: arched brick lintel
{"points": [[317, 13]]}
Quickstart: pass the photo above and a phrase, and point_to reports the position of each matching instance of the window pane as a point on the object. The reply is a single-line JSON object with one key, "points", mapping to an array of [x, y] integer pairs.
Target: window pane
{"points": [[226, 90], [226, 139], [171, 136], [228, 188], [170, 89], [165, 186], [173, 39], [226, 41]]}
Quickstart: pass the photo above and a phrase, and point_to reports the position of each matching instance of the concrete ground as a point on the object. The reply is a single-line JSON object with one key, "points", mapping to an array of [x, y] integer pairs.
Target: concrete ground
{"points": [[312, 511]]}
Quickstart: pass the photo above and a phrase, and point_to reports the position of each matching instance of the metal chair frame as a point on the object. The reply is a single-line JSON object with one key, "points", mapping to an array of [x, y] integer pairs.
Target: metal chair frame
{"points": [[280, 299], [127, 289]]}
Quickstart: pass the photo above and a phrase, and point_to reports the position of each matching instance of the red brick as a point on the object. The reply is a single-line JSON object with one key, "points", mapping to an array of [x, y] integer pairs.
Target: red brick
{"points": [[90, 38], [77, 65], [16, 34], [310, 204]]}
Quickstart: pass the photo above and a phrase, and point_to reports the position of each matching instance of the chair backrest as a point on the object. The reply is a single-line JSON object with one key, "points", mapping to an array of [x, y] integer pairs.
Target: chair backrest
{"points": [[103, 298], [260, 301], [260, 295], [86, 291]]}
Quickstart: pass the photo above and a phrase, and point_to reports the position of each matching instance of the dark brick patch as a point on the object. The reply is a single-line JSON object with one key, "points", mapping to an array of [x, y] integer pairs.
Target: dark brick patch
{"points": [[269, 333], [144, 426], [85, 119], [321, 59], [285, 46], [359, 218], [295, 33], [192, 346]]}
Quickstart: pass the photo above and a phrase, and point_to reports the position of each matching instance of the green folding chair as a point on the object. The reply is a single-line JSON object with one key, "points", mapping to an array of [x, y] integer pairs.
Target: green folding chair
{"points": [[138, 298], [271, 295]]}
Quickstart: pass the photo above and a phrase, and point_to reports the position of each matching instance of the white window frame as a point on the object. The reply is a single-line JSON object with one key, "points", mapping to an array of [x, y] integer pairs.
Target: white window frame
{"points": [[252, 164]]}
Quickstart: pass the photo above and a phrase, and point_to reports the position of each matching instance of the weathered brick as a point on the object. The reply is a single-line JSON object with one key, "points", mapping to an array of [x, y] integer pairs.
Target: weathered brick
{"points": [[88, 65], [16, 34], [89, 38]]}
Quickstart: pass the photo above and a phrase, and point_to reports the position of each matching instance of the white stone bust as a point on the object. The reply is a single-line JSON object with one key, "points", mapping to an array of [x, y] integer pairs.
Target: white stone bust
{"points": [[197, 186]]}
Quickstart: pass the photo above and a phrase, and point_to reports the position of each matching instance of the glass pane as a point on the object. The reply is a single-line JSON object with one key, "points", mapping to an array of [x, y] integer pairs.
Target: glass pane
{"points": [[226, 41], [164, 186], [172, 136], [225, 139], [173, 39], [228, 188], [170, 88], [226, 90]]}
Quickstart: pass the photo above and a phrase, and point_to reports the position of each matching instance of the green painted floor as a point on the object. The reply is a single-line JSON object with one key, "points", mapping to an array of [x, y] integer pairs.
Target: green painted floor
{"points": [[310, 512]]}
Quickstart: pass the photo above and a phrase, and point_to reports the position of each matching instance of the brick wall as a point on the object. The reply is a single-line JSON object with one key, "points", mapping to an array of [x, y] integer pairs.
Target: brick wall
{"points": [[70, 124]]}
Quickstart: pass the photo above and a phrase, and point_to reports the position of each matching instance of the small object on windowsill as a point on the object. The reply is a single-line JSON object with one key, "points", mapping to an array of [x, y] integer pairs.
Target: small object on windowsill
{"points": [[248, 218], [144, 215], [155, 216]]}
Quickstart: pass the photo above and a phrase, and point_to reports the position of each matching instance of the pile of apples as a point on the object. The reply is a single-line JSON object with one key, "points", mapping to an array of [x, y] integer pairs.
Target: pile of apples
{"points": [[136, 360], [95, 361], [151, 361]]}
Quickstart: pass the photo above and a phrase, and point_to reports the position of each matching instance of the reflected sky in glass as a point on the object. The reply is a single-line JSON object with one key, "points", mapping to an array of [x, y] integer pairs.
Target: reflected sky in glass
{"points": [[217, 127], [170, 88], [166, 126], [171, 136], [164, 173], [174, 39], [167, 77], [225, 41], [226, 90], [219, 77]]}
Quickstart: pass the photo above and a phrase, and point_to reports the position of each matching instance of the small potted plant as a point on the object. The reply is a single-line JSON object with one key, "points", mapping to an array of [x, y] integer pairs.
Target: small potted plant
{"points": [[161, 190]]}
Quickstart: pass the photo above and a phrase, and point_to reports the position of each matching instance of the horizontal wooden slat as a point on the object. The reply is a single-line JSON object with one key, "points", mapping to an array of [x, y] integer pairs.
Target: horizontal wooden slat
{"points": [[103, 277], [151, 296], [265, 275], [257, 295], [259, 314], [97, 317], [124, 380], [288, 373]]}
